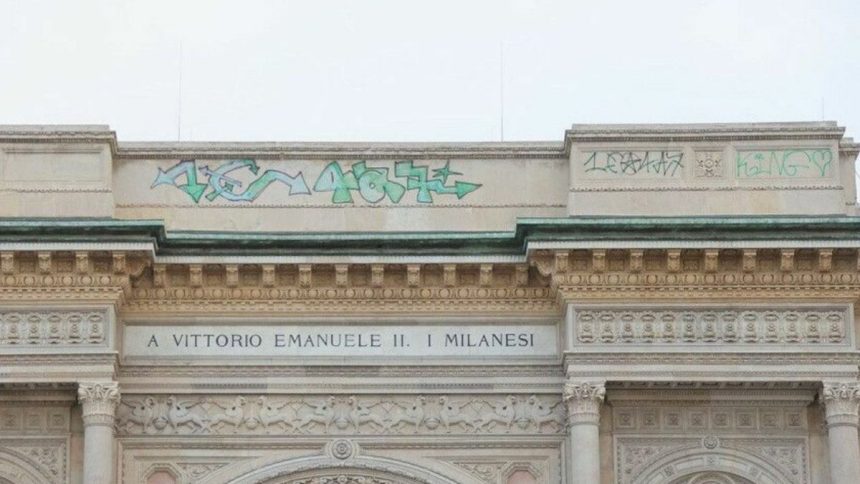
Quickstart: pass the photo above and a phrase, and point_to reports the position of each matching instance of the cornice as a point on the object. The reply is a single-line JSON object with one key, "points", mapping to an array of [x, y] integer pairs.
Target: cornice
{"points": [[333, 150], [849, 148], [529, 233], [57, 133], [128, 372], [671, 133]]}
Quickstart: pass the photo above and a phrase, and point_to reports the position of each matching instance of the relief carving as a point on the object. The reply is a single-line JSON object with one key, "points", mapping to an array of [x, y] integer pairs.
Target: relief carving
{"points": [[343, 415], [28, 460], [700, 326], [52, 327], [661, 459]]}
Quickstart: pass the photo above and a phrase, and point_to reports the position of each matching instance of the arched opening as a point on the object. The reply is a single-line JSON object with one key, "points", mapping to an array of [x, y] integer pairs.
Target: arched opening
{"points": [[331, 470], [718, 466], [17, 469], [345, 475], [712, 478]]}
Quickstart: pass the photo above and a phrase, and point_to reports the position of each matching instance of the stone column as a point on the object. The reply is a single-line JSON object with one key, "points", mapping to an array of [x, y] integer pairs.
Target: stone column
{"points": [[98, 402], [583, 400], [841, 401]]}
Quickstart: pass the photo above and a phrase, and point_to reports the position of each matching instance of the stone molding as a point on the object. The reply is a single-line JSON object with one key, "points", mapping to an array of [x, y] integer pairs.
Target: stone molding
{"points": [[663, 460], [339, 415], [841, 401], [712, 326], [125, 278], [54, 328], [34, 460], [662, 417], [99, 401], [69, 275], [583, 400]]}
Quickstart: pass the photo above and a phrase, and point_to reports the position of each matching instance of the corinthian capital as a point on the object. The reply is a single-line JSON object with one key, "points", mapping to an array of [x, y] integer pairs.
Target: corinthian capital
{"points": [[841, 401], [98, 401], [583, 399]]}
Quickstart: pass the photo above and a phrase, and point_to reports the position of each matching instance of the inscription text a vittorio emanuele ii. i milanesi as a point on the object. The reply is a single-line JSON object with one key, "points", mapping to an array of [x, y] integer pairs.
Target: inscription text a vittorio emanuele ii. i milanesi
{"points": [[426, 340]]}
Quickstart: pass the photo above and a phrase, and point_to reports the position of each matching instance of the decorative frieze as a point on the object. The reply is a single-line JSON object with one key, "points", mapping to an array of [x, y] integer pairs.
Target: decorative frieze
{"points": [[45, 328], [26, 419], [374, 415], [654, 417], [826, 326]]}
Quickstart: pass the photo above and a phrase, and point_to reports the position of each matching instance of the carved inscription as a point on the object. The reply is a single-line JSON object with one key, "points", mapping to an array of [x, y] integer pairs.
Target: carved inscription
{"points": [[339, 341], [800, 163], [264, 414], [743, 327], [634, 164]]}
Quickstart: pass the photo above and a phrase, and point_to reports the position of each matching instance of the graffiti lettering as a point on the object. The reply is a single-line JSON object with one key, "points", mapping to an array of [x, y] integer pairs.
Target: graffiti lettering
{"points": [[373, 184], [229, 181], [635, 163], [784, 163], [220, 184]]}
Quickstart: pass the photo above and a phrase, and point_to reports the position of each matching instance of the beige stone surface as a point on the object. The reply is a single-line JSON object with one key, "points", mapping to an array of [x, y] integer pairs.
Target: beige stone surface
{"points": [[653, 361]]}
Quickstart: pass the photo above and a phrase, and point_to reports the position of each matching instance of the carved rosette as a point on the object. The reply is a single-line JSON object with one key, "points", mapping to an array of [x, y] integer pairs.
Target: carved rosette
{"points": [[583, 401], [841, 403], [99, 401]]}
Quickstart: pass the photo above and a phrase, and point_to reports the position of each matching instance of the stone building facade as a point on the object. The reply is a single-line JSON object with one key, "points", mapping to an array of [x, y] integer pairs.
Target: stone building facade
{"points": [[634, 304]]}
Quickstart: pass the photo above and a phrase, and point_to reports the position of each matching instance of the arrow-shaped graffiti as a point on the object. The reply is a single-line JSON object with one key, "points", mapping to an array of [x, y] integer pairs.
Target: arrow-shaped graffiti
{"points": [[371, 183], [185, 167], [416, 179], [222, 185]]}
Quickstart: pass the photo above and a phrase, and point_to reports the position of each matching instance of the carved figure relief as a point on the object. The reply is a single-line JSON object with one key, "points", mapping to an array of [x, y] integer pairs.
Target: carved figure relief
{"points": [[155, 414]]}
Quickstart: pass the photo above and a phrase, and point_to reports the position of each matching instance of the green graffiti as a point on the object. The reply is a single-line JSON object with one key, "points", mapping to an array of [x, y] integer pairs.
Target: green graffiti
{"points": [[223, 185], [813, 163], [373, 184], [189, 169]]}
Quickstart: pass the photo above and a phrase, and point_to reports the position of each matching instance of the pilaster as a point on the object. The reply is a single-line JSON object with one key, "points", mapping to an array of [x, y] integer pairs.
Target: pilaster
{"points": [[99, 401], [583, 400], [841, 403]]}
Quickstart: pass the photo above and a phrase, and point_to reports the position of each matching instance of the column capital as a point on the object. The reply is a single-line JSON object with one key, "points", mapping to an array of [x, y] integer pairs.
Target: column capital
{"points": [[583, 400], [841, 402], [98, 401]]}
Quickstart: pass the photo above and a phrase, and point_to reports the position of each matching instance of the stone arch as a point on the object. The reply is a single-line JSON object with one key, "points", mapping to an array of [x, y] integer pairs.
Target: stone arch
{"points": [[15, 468], [720, 466], [356, 470], [712, 478]]}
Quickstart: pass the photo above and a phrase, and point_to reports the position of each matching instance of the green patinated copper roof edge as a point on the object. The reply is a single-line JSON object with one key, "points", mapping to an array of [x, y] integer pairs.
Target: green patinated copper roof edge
{"points": [[574, 229]]}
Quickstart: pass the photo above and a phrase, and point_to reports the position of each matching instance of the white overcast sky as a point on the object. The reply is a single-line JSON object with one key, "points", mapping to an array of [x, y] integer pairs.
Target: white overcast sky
{"points": [[429, 70]]}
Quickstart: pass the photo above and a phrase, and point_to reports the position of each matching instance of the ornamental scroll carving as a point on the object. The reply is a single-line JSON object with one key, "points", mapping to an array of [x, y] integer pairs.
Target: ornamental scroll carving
{"points": [[98, 402], [583, 401], [841, 402], [382, 415], [34, 460], [707, 326], [668, 459], [52, 327]]}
